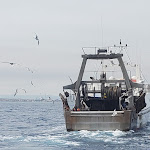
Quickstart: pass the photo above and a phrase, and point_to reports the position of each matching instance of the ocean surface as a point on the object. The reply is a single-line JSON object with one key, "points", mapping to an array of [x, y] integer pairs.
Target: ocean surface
{"points": [[40, 126]]}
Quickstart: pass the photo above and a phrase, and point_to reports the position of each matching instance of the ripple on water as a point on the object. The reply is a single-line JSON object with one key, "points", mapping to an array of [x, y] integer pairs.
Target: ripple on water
{"points": [[39, 126]]}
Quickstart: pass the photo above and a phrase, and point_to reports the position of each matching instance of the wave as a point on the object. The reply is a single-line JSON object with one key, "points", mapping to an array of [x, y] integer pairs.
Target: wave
{"points": [[105, 136], [58, 137]]}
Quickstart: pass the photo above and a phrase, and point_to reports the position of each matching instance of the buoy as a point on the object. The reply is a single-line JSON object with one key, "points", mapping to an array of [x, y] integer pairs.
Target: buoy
{"points": [[133, 78]]}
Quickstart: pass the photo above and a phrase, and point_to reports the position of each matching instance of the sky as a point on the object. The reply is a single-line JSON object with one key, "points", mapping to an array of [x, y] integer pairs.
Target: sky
{"points": [[63, 28]]}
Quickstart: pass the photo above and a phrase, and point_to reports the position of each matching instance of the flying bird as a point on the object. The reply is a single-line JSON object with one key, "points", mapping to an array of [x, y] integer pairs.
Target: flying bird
{"points": [[16, 92], [112, 62], [36, 37], [29, 70], [11, 63], [24, 90], [32, 83]]}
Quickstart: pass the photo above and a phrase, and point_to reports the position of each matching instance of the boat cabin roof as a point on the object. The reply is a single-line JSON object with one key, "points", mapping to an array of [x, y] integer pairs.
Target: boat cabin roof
{"points": [[102, 56]]}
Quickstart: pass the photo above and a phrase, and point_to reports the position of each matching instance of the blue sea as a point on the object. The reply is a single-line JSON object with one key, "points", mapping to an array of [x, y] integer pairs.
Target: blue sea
{"points": [[40, 126]]}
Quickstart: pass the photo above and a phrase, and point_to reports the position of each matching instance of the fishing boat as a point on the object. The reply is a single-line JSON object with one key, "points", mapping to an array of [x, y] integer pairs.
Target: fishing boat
{"points": [[105, 103]]}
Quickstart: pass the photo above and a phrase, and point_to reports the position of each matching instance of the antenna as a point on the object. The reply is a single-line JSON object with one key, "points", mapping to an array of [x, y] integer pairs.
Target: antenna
{"points": [[102, 29], [120, 47], [70, 79], [83, 50]]}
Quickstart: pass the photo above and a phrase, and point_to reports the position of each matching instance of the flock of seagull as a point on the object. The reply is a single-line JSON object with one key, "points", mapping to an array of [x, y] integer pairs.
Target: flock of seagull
{"points": [[13, 63]]}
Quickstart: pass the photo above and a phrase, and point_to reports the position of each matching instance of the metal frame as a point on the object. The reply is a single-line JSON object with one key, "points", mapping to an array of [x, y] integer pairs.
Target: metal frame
{"points": [[102, 56], [129, 84]]}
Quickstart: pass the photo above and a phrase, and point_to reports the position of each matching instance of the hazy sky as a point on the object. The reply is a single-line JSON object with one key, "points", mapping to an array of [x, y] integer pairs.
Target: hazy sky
{"points": [[64, 27]]}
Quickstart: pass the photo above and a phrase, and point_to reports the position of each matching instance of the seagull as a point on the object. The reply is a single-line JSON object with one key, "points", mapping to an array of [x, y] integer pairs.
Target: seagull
{"points": [[37, 39], [92, 78], [114, 113], [24, 90], [51, 99], [29, 69], [42, 99], [17, 91], [112, 62], [31, 82], [11, 63], [120, 41]]}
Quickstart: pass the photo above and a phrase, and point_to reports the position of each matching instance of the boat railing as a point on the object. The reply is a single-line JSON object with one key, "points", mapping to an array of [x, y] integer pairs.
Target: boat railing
{"points": [[108, 49], [95, 50]]}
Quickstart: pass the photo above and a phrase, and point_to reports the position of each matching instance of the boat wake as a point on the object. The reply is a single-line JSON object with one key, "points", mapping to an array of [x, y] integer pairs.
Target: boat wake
{"points": [[58, 137], [25, 128]]}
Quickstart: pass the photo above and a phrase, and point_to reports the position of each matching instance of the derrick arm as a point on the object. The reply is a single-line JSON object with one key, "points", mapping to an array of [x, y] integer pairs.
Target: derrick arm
{"points": [[78, 83], [128, 83]]}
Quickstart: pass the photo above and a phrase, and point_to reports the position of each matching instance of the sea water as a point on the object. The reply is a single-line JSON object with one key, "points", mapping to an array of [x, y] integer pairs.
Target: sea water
{"points": [[40, 126]]}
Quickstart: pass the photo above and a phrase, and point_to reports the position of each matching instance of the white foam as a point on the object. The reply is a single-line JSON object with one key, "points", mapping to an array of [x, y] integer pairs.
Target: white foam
{"points": [[72, 143], [2, 138], [118, 133], [85, 133], [107, 140], [58, 128], [60, 140], [56, 139], [106, 136]]}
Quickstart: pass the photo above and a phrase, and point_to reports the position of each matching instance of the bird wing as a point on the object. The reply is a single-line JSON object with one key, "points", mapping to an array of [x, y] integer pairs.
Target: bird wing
{"points": [[16, 92], [5, 62], [114, 113], [29, 69], [24, 90], [36, 37], [32, 83], [11, 63]]}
